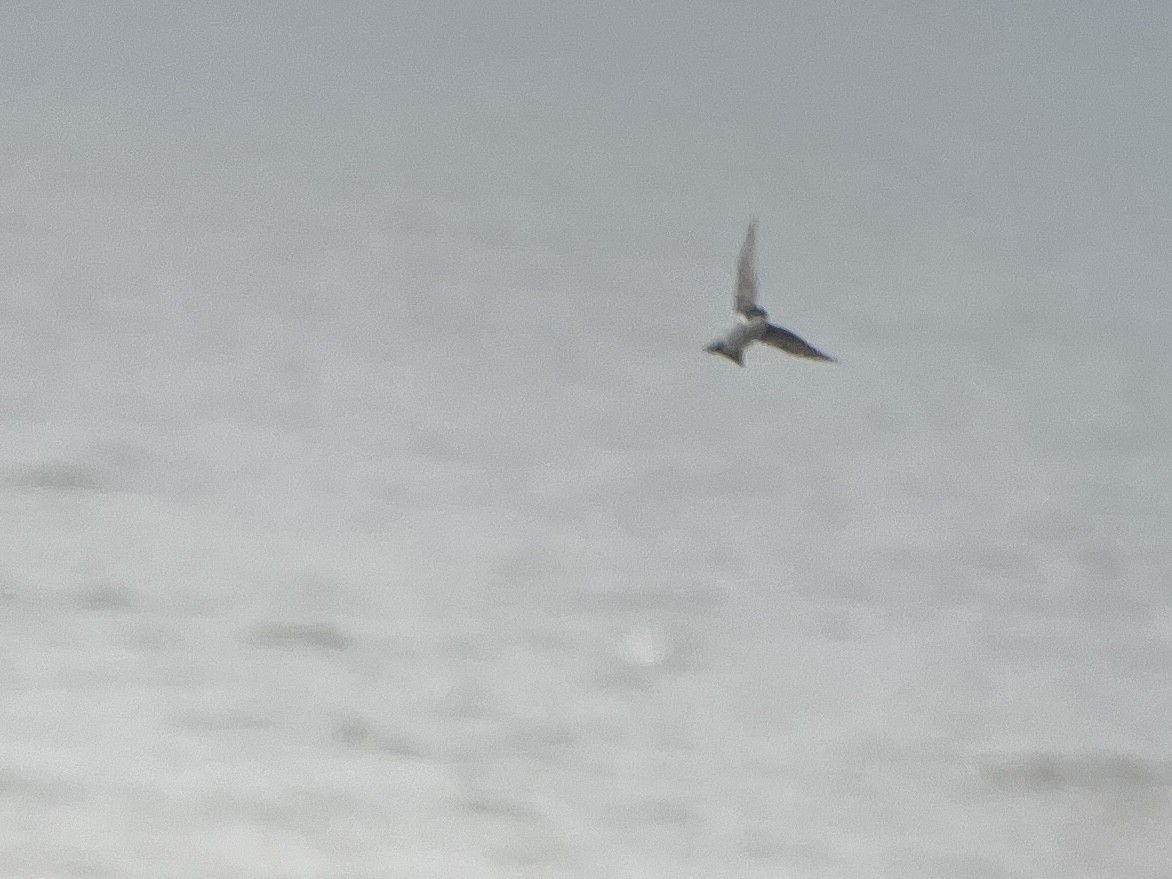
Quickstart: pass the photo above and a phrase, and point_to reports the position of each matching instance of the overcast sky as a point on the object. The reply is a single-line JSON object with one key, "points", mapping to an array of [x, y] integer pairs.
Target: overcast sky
{"points": [[372, 307]]}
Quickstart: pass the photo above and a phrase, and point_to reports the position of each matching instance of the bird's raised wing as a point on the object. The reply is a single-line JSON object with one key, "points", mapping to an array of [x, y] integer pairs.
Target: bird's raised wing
{"points": [[746, 296], [779, 337]]}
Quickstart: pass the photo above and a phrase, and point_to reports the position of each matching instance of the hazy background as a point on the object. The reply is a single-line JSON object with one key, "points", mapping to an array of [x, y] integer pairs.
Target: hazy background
{"points": [[371, 509]]}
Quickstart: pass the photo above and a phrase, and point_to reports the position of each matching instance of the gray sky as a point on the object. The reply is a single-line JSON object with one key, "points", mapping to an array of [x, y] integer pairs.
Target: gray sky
{"points": [[1020, 136], [370, 309], [526, 207]]}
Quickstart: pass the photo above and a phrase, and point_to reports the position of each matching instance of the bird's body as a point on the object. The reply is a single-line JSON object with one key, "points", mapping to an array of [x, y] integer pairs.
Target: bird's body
{"points": [[743, 333], [752, 324]]}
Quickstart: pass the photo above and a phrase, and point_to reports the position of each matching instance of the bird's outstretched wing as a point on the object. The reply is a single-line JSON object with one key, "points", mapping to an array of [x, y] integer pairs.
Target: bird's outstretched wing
{"points": [[746, 296], [778, 337]]}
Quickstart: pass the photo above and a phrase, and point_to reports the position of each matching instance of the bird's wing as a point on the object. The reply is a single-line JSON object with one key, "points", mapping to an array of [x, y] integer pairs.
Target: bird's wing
{"points": [[779, 337], [746, 296]]}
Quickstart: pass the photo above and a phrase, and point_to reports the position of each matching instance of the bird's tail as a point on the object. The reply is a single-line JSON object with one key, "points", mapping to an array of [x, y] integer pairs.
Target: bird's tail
{"points": [[736, 355]]}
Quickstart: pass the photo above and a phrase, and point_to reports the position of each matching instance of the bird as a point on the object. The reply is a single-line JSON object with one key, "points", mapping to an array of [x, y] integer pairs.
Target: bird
{"points": [[752, 320]]}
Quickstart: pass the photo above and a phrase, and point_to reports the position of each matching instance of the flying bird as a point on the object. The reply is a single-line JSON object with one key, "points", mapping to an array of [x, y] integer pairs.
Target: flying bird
{"points": [[752, 321]]}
